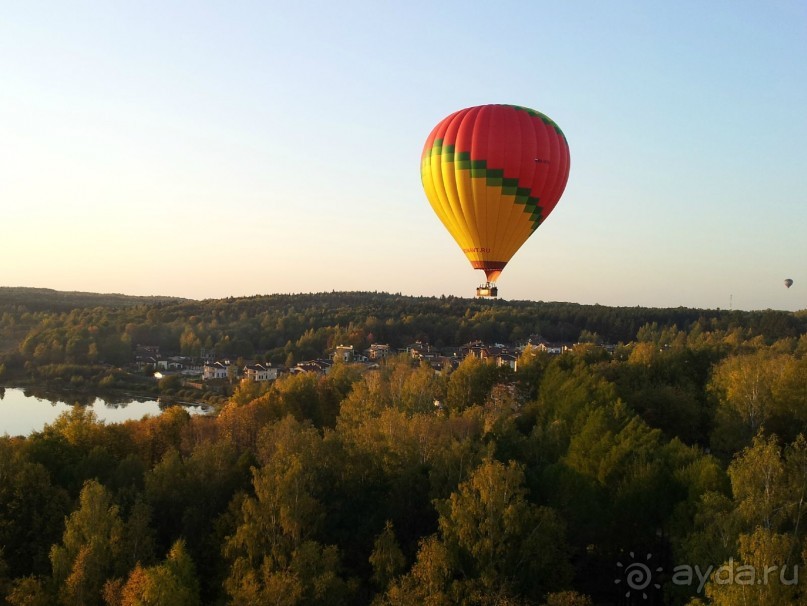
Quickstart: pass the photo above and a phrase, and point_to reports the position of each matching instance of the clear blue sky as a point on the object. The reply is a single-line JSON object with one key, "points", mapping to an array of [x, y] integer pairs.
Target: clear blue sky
{"points": [[223, 149]]}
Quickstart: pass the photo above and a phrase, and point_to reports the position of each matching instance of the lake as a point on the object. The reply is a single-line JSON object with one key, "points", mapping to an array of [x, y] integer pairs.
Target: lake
{"points": [[22, 412]]}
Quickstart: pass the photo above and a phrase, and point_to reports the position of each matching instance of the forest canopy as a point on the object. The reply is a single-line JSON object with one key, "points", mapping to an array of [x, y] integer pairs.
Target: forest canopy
{"points": [[81, 327], [684, 446]]}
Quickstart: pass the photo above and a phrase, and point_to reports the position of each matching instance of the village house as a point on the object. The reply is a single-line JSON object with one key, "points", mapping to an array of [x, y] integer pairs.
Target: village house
{"points": [[421, 351], [259, 372], [146, 351], [501, 355], [147, 357], [556, 349], [444, 364], [145, 363], [507, 359], [214, 370], [192, 368], [549, 347], [315, 366], [377, 351], [343, 353], [474, 348]]}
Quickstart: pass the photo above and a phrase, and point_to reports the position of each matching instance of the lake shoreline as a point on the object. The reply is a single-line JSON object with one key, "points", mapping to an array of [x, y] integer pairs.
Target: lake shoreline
{"points": [[25, 411], [58, 392], [109, 384]]}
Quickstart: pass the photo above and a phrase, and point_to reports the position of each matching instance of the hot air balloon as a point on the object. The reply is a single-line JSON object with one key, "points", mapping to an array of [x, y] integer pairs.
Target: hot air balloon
{"points": [[492, 174], [788, 282]]}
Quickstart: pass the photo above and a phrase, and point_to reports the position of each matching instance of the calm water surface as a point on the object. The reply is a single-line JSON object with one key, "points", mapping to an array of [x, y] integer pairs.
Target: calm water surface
{"points": [[22, 412]]}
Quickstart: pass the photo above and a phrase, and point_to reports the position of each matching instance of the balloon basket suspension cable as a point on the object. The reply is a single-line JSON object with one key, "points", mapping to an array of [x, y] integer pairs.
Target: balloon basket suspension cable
{"points": [[488, 289]]}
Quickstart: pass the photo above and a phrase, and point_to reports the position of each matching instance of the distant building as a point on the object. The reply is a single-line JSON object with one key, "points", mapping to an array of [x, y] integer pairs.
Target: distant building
{"points": [[259, 372], [147, 351], [555, 349], [343, 353], [315, 366], [214, 370], [501, 355], [444, 364], [549, 347], [377, 351], [421, 351], [177, 362], [507, 359], [474, 348], [192, 368], [147, 357], [147, 363]]}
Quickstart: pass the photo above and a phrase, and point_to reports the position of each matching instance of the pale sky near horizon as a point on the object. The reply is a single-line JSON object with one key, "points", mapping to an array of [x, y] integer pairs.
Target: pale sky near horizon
{"points": [[216, 149]]}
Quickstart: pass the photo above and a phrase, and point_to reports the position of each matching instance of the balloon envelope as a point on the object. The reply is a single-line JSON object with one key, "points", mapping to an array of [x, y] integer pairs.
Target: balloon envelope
{"points": [[492, 174], [788, 282]]}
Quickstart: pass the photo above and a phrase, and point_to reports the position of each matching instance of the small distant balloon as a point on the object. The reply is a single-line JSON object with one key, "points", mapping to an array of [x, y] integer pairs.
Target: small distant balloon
{"points": [[788, 282]]}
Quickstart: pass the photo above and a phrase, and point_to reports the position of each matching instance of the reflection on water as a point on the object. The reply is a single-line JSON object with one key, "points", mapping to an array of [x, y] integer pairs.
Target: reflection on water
{"points": [[80, 398], [23, 411]]}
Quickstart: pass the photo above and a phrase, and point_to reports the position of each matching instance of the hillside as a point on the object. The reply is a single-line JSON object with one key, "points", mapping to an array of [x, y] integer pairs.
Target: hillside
{"points": [[47, 299], [67, 326]]}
